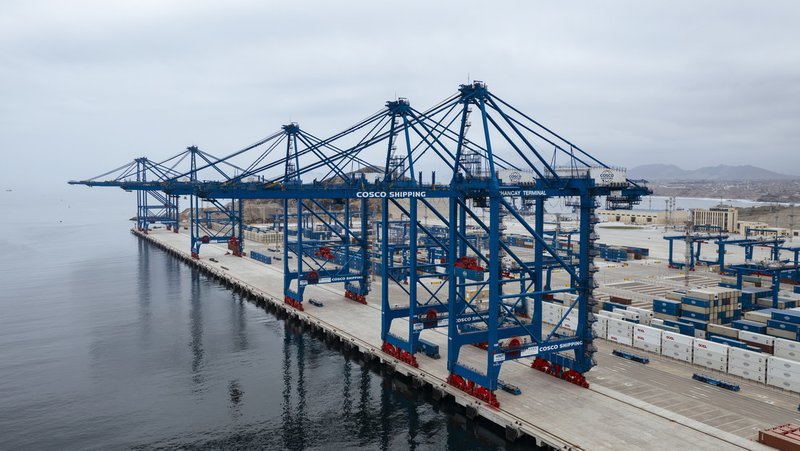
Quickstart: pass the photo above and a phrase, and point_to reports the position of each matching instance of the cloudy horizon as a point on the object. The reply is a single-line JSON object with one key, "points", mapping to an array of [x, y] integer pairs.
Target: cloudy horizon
{"points": [[89, 85]]}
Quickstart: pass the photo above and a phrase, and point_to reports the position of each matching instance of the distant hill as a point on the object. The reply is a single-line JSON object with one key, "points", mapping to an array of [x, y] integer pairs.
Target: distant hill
{"points": [[721, 172]]}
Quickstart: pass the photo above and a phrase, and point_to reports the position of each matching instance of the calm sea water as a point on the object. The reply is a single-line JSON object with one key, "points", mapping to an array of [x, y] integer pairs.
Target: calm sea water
{"points": [[109, 343]]}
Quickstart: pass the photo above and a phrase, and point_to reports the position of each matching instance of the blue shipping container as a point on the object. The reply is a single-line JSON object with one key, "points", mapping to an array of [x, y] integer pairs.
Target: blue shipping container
{"points": [[791, 327], [667, 311], [609, 306], [261, 257], [695, 315], [698, 324], [728, 341], [696, 302], [684, 328], [750, 326], [666, 306], [787, 316]]}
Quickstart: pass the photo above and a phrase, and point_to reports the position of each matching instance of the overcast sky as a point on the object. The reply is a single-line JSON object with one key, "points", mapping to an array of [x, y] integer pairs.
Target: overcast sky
{"points": [[88, 85]]}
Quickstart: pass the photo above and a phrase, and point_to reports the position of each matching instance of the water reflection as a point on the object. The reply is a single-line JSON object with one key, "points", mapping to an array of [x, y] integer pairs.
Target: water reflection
{"points": [[385, 413], [413, 425], [347, 399], [173, 273], [196, 333], [294, 415], [366, 422], [368, 411], [239, 323], [170, 359], [144, 289], [301, 388], [235, 393]]}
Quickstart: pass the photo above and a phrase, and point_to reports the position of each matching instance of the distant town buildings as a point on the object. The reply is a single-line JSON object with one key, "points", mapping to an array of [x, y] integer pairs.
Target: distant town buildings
{"points": [[723, 217]]}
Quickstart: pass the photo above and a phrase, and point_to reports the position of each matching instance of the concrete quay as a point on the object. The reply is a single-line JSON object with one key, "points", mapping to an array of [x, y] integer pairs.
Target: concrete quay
{"points": [[628, 406]]}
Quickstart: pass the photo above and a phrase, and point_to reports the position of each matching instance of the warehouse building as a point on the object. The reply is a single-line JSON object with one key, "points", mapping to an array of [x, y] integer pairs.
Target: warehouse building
{"points": [[749, 227], [643, 217], [722, 216], [757, 228]]}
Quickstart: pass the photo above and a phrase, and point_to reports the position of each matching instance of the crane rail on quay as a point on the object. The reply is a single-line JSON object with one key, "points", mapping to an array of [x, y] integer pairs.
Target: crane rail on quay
{"points": [[485, 293]]}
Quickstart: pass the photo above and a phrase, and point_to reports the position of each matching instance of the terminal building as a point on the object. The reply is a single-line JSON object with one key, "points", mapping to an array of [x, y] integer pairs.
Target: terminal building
{"points": [[758, 228], [724, 217], [750, 227]]}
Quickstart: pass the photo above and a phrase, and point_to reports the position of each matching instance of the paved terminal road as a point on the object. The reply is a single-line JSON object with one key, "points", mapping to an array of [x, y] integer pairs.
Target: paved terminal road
{"points": [[629, 405], [668, 384]]}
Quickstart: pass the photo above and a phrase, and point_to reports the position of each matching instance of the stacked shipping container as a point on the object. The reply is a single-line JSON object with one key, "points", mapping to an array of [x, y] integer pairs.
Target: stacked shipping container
{"points": [[746, 354], [715, 305]]}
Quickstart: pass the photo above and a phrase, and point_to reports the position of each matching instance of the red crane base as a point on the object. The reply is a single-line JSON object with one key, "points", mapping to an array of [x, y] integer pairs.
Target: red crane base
{"points": [[568, 375], [400, 354], [471, 388], [360, 298], [293, 303], [233, 246], [430, 318]]}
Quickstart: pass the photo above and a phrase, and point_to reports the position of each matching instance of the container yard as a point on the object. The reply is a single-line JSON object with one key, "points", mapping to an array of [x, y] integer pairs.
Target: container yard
{"points": [[461, 281]]}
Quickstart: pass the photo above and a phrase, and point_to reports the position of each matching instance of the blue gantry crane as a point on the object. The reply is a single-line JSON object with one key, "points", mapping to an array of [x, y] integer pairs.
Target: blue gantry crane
{"points": [[722, 241], [152, 207], [459, 273], [775, 270], [210, 219], [773, 244], [694, 238]]}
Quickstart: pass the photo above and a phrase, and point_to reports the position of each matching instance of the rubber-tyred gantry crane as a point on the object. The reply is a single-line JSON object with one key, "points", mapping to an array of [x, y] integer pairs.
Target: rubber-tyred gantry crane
{"points": [[352, 207]]}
